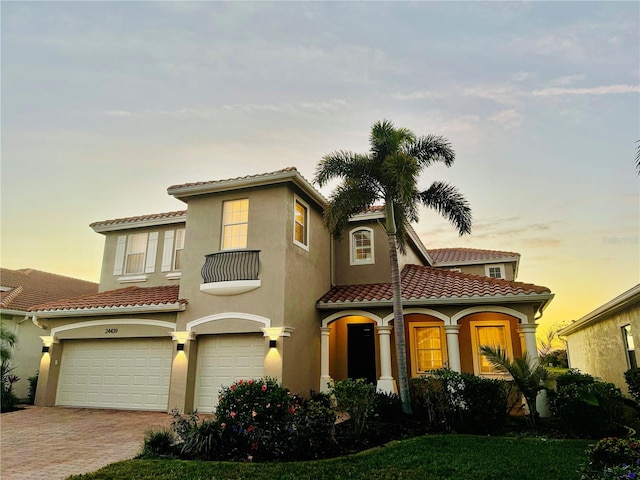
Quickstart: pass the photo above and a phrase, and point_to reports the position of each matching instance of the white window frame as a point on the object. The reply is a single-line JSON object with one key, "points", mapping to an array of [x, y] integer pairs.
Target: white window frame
{"points": [[169, 252], [475, 345], [122, 254], [487, 270], [304, 245], [230, 224], [414, 350], [629, 346], [353, 248]]}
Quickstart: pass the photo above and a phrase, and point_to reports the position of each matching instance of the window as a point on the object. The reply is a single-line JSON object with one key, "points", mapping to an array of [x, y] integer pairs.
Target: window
{"points": [[362, 246], [427, 348], [495, 271], [235, 220], [301, 224], [173, 250], [494, 334], [136, 250], [630, 346], [135, 254]]}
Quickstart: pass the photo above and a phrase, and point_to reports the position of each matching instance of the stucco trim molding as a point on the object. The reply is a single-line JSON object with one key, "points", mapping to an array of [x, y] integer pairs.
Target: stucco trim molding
{"points": [[232, 287], [350, 313], [229, 316], [97, 323], [522, 318], [424, 311]]}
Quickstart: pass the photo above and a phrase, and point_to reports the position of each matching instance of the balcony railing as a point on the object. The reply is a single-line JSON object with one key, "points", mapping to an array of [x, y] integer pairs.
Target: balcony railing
{"points": [[229, 270]]}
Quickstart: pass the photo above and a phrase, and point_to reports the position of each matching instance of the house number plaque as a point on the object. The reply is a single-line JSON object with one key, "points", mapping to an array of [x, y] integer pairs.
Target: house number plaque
{"points": [[111, 330]]}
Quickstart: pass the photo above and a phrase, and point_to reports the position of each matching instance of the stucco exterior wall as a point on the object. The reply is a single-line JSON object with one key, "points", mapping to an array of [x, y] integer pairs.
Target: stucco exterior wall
{"points": [[599, 348], [26, 353], [377, 272]]}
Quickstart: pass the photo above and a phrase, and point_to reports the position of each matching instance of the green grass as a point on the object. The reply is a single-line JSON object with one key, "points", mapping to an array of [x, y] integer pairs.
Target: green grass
{"points": [[436, 457]]}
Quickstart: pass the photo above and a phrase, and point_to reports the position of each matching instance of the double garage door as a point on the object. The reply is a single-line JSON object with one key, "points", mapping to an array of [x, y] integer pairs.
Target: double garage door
{"points": [[134, 374]]}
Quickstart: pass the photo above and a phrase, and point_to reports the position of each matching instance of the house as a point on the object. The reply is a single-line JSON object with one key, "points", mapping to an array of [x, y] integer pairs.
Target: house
{"points": [[602, 343], [247, 282], [19, 291]]}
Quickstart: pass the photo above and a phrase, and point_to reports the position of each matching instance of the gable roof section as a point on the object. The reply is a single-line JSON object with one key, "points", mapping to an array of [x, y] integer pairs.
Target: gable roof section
{"points": [[24, 288], [150, 220], [289, 174], [427, 285], [469, 256], [624, 300], [122, 300]]}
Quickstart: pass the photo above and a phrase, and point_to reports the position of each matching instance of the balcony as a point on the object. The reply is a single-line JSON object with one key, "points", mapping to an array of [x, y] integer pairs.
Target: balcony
{"points": [[231, 272]]}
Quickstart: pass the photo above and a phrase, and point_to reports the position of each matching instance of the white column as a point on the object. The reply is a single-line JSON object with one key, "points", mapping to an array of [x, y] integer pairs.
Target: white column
{"points": [[325, 378], [453, 347], [386, 383], [529, 332]]}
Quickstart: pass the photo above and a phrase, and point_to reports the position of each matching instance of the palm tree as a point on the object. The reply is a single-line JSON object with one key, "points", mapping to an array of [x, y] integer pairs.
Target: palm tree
{"points": [[388, 174], [528, 374], [8, 340]]}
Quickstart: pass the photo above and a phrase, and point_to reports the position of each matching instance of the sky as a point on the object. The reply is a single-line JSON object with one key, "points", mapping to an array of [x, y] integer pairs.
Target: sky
{"points": [[106, 104]]}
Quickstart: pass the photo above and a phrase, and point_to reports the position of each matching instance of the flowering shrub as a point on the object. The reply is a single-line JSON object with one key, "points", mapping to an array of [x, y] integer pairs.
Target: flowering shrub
{"points": [[612, 451], [449, 400], [586, 406]]}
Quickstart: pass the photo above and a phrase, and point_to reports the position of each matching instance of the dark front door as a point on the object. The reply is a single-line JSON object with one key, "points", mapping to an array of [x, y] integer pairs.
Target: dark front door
{"points": [[361, 351]]}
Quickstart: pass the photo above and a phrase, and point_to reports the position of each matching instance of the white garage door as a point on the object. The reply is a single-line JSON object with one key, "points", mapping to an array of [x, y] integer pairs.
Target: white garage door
{"points": [[223, 359], [124, 373]]}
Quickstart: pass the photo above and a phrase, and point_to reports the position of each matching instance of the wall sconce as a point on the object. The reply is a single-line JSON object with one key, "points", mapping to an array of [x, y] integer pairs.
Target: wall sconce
{"points": [[180, 347], [272, 344], [45, 349]]}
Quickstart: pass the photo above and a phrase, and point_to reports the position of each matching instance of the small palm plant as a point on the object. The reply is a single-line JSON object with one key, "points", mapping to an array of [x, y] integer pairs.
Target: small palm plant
{"points": [[528, 375]]}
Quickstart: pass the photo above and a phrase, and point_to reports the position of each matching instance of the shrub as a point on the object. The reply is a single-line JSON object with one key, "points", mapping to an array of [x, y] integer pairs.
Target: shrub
{"points": [[8, 399], [33, 384], [449, 400], [387, 407], [613, 451], [585, 406], [632, 377], [206, 441], [357, 399], [159, 444]]}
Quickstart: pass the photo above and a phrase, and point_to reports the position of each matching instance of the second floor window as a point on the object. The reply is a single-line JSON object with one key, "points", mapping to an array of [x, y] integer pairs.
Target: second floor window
{"points": [[361, 246], [178, 249], [235, 222], [630, 346], [136, 250], [301, 224], [495, 271]]}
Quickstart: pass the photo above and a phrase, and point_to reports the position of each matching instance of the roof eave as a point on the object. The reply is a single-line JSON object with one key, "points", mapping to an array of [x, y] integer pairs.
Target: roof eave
{"points": [[9, 311], [521, 298], [94, 311], [477, 262], [139, 224]]}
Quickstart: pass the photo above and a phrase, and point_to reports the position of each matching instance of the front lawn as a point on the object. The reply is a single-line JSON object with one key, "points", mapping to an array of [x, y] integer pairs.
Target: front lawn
{"points": [[441, 457]]}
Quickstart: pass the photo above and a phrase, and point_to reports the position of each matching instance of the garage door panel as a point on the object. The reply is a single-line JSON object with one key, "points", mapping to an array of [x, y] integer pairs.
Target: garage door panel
{"points": [[123, 373], [224, 359]]}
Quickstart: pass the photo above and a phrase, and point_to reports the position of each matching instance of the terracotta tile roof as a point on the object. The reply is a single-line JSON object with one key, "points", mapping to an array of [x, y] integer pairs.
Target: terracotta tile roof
{"points": [[140, 218], [246, 177], [419, 282], [461, 255], [122, 297], [29, 287]]}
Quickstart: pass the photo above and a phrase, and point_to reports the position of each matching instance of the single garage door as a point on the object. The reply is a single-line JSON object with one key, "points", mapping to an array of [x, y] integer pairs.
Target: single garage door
{"points": [[223, 359], [130, 374]]}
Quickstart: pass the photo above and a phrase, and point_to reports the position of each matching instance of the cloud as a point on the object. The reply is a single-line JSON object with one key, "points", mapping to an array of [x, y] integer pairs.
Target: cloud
{"points": [[505, 93], [565, 80], [508, 119], [118, 113], [420, 95], [603, 90]]}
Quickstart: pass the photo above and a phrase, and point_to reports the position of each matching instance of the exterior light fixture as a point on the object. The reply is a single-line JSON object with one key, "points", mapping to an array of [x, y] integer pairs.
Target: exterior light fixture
{"points": [[180, 347], [45, 349], [272, 344]]}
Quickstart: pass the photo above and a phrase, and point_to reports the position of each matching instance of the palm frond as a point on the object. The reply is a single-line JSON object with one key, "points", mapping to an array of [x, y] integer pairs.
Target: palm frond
{"points": [[449, 202], [351, 197], [342, 164], [638, 158], [385, 140], [429, 149], [399, 174]]}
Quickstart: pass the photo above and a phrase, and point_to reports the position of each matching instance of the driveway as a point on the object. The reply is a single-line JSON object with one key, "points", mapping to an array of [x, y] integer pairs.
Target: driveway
{"points": [[54, 442]]}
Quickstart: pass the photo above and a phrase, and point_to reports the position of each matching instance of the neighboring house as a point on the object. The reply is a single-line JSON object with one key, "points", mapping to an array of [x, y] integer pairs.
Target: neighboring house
{"points": [[21, 290], [602, 343], [247, 282]]}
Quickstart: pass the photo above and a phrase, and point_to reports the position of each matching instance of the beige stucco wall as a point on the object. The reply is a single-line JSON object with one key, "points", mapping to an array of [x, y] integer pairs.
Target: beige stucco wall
{"points": [[481, 270], [26, 353], [599, 349], [377, 272], [109, 281]]}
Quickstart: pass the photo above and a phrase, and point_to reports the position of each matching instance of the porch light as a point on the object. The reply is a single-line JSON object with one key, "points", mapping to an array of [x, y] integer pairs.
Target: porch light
{"points": [[180, 347], [45, 349], [272, 343]]}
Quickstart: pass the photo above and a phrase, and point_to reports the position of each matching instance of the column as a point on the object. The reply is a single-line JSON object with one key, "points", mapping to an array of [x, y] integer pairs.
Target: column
{"points": [[184, 359], [453, 347], [528, 330], [386, 383], [325, 378], [48, 373]]}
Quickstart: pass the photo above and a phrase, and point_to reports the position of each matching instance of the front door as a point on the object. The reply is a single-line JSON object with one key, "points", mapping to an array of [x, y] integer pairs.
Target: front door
{"points": [[361, 351]]}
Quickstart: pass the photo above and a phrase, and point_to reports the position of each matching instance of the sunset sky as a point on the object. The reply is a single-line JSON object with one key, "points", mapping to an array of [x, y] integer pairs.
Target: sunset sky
{"points": [[105, 105]]}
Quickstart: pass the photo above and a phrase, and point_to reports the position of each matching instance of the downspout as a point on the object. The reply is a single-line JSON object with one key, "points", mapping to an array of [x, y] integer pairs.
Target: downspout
{"points": [[35, 321]]}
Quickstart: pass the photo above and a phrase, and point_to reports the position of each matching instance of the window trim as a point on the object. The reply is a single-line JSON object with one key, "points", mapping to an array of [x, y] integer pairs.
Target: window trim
{"points": [[222, 247], [630, 353], [489, 266], [127, 253], [475, 347], [298, 200], [414, 351], [352, 249]]}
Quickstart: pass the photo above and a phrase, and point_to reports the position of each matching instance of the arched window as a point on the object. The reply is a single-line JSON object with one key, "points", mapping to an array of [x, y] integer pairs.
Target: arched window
{"points": [[361, 246]]}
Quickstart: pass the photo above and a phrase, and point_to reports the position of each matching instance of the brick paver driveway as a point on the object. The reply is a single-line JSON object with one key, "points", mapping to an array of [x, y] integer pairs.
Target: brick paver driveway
{"points": [[53, 443]]}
